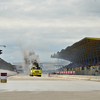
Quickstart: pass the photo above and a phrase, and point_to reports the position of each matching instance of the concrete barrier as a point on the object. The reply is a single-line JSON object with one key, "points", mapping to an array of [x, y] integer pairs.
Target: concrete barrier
{"points": [[79, 77], [9, 73]]}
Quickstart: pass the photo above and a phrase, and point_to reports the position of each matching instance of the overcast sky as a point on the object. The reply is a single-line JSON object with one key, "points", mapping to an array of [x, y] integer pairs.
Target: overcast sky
{"points": [[46, 26]]}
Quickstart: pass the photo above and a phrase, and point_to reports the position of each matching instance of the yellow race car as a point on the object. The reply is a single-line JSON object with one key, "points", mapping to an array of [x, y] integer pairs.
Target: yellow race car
{"points": [[35, 71]]}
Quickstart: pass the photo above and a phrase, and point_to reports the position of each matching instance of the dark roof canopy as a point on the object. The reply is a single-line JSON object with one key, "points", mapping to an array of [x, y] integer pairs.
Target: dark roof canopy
{"points": [[85, 49]]}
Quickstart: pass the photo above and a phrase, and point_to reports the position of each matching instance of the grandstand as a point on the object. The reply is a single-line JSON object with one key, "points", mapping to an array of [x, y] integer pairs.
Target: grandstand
{"points": [[5, 65], [84, 55]]}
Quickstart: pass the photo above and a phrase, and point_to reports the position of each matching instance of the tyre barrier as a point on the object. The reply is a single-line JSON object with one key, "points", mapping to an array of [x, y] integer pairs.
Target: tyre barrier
{"points": [[66, 73], [3, 77]]}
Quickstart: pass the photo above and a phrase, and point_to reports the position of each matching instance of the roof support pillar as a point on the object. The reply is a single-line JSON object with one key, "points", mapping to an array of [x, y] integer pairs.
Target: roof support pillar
{"points": [[77, 56], [90, 55], [93, 54], [81, 56], [85, 56], [97, 54]]}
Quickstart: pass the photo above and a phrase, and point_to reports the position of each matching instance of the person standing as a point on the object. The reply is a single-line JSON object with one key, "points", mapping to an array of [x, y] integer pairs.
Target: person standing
{"points": [[49, 74]]}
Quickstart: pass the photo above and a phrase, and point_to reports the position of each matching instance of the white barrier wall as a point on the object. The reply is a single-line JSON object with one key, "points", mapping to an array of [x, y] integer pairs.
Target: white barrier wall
{"points": [[9, 73], [3, 77]]}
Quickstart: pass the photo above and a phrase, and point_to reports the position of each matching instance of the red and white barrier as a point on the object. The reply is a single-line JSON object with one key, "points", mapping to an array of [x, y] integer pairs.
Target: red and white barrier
{"points": [[73, 72], [3, 77], [70, 72], [64, 72], [57, 72]]}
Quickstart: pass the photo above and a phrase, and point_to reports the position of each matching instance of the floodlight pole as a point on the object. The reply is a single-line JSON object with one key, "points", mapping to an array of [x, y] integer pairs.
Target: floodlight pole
{"points": [[3, 46], [1, 50]]}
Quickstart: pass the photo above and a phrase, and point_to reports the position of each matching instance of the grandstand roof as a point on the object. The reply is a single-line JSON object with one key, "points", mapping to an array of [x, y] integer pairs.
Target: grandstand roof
{"points": [[83, 50]]}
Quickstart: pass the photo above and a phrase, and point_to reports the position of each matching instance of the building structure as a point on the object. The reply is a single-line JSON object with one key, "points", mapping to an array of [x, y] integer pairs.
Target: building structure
{"points": [[84, 54], [5, 65]]}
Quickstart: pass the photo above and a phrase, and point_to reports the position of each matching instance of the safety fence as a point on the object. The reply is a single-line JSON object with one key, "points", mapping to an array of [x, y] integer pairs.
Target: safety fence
{"points": [[66, 73]]}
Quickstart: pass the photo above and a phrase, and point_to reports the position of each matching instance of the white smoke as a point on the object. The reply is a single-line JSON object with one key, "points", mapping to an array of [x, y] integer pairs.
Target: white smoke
{"points": [[28, 58]]}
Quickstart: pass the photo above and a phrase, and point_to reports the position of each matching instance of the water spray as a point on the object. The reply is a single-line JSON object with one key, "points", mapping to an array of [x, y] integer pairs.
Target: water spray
{"points": [[28, 59]]}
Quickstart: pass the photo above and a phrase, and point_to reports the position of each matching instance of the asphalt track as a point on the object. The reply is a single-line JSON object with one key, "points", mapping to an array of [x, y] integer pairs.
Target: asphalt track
{"points": [[48, 88]]}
